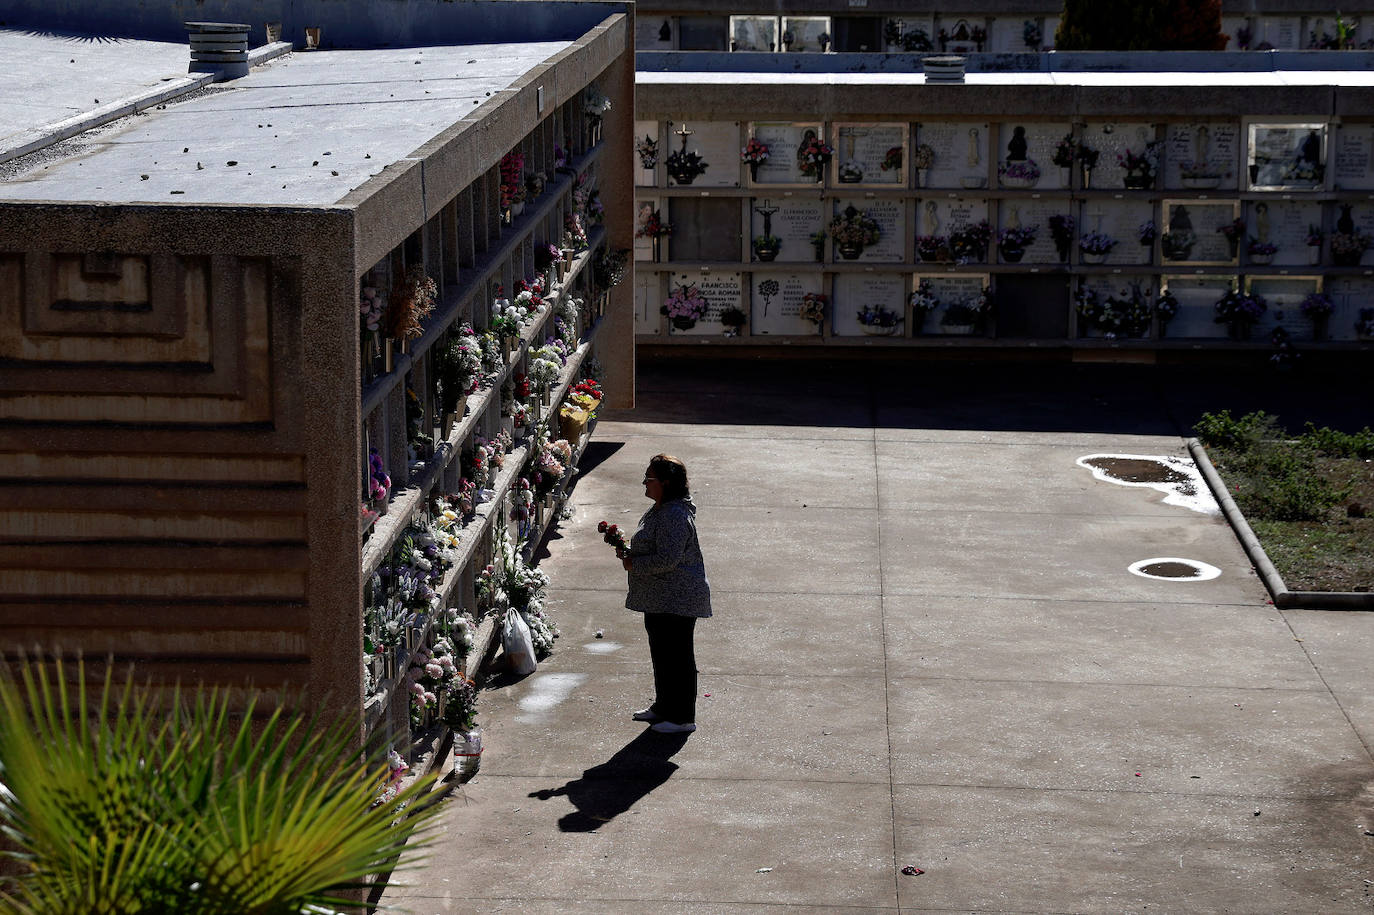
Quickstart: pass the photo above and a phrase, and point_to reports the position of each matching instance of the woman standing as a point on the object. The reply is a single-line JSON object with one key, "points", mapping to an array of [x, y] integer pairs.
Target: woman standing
{"points": [[668, 585]]}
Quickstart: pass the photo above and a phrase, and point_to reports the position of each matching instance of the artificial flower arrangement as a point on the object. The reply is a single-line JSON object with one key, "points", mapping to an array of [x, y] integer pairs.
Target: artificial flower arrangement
{"points": [[1096, 244], [755, 153], [685, 306], [653, 227], [685, 166], [1317, 305], [1233, 230], [1140, 167], [433, 673], [1064, 152], [1145, 232], [595, 104], [1087, 302], [411, 301], [1014, 242], [574, 233], [813, 306], [969, 311], [1349, 247], [507, 317], [814, 156], [1132, 309], [878, 316], [544, 367], [923, 301], [378, 480], [970, 243], [647, 149], [608, 269], [1257, 249], [1087, 156], [1236, 308], [523, 587], [512, 178], [932, 248], [852, 230], [851, 172], [1062, 227], [1166, 307], [566, 311], [733, 319], [924, 157], [1031, 34], [1020, 171], [457, 367], [1364, 323]]}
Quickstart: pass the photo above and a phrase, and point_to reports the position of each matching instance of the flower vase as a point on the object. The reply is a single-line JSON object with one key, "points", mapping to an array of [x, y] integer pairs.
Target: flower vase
{"points": [[684, 323], [388, 354], [1087, 177], [1314, 255], [1089, 258], [658, 249], [957, 329], [382, 502], [1261, 260], [877, 330], [849, 251], [922, 177], [820, 252], [467, 751], [1012, 255], [754, 171]]}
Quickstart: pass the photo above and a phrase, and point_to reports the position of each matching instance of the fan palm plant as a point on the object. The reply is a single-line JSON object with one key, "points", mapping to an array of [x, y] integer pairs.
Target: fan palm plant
{"points": [[129, 799]]}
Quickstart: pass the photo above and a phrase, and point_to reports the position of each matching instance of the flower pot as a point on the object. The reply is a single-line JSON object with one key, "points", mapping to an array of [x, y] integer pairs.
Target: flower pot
{"points": [[1261, 260], [1314, 255], [1088, 258], [877, 330], [849, 251], [820, 252], [684, 323], [1136, 182], [850, 177], [517, 207], [973, 182], [1018, 182], [1013, 255], [1201, 182], [958, 330], [766, 252]]}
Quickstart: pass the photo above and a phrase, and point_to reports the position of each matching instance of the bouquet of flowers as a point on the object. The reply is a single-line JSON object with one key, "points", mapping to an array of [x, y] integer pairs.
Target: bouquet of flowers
{"points": [[1018, 239], [755, 153], [1144, 164], [968, 311], [1096, 243], [923, 300], [932, 248], [653, 227], [1146, 232], [813, 307], [814, 156], [612, 534], [685, 302], [893, 159], [647, 149], [877, 316], [1317, 305], [1166, 306], [595, 103], [1348, 244], [378, 480], [854, 227], [1064, 152], [1314, 236], [512, 178], [970, 243], [1233, 230], [1257, 248], [1235, 307], [1021, 169], [1086, 155], [411, 301]]}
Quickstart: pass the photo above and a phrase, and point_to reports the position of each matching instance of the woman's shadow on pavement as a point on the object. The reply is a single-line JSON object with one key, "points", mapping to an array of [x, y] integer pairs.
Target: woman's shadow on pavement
{"points": [[605, 791]]}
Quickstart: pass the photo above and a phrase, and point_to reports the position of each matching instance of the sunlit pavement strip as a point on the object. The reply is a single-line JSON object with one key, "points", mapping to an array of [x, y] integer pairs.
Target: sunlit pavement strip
{"points": [[1191, 493], [546, 693]]}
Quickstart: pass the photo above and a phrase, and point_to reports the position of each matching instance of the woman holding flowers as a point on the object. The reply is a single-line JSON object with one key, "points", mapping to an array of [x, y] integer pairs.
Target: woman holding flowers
{"points": [[667, 583]]}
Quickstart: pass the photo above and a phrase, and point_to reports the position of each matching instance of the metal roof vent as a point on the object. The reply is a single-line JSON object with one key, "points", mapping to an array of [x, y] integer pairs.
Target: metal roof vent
{"points": [[219, 47]]}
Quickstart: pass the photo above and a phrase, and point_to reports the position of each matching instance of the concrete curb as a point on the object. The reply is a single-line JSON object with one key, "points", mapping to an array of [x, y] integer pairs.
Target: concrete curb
{"points": [[48, 134], [1283, 598]]}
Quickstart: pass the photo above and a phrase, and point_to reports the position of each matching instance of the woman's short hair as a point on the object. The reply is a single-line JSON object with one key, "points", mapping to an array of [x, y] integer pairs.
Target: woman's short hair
{"points": [[672, 473]]}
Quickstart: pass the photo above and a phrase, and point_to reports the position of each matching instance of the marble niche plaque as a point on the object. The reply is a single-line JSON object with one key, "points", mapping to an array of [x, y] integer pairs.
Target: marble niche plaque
{"points": [[1112, 139], [961, 153], [753, 33], [1023, 140], [1284, 223], [1190, 233], [793, 224], [1119, 287], [1283, 295], [1121, 219], [777, 300], [1287, 156], [890, 215], [646, 177], [717, 142], [1362, 215], [644, 246], [862, 150], [720, 290], [940, 217], [783, 142], [1197, 298], [803, 33], [648, 298], [1036, 214], [911, 26], [1354, 157], [854, 291], [1281, 32], [1350, 293], [948, 289], [1202, 156]]}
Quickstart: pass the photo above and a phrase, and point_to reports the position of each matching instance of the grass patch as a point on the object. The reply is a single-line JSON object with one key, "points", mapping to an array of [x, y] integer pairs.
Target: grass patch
{"points": [[1306, 497]]}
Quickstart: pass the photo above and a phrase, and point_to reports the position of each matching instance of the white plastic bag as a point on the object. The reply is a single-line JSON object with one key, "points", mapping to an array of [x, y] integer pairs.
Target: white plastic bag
{"points": [[516, 642]]}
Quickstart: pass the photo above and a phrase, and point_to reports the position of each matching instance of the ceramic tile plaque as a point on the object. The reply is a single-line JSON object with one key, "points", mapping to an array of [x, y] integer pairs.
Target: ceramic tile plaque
{"points": [[645, 207], [717, 142], [890, 215], [1027, 214], [948, 289], [647, 131], [783, 142], [1284, 223], [1190, 233], [960, 151], [1202, 156], [720, 290], [1025, 147], [777, 298], [870, 154], [1110, 140], [1354, 157], [1121, 219], [1197, 298], [804, 33], [939, 217], [1350, 293], [792, 222], [1286, 156], [1283, 295], [855, 291], [648, 298]]}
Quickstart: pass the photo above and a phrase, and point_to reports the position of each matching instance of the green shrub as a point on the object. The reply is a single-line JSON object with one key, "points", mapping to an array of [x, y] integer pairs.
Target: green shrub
{"points": [[1337, 444], [1221, 430], [1281, 483]]}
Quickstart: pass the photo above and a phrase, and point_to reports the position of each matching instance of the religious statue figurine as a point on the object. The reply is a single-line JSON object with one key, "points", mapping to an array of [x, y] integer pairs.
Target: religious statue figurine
{"points": [[1262, 222], [974, 156], [932, 218], [1013, 217], [1311, 149], [1016, 148], [1202, 144]]}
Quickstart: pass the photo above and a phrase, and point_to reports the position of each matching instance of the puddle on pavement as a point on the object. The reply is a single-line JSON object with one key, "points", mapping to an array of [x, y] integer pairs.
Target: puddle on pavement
{"points": [[1178, 478], [1170, 568]]}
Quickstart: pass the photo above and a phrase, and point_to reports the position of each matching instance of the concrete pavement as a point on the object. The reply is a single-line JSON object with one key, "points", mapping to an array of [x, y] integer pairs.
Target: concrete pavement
{"points": [[927, 650]]}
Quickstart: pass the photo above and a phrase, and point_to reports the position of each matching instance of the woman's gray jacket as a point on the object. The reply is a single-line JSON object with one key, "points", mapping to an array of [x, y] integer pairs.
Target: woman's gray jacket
{"points": [[667, 573]]}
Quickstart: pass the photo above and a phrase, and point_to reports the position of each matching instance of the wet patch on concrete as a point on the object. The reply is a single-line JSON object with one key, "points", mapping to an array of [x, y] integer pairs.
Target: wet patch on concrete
{"points": [[1178, 478], [1171, 568]]}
